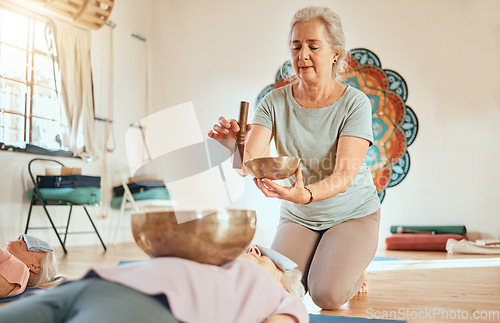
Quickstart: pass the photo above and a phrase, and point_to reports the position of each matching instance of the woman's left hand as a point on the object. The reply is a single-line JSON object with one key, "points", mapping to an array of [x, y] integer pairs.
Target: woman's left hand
{"points": [[295, 193]]}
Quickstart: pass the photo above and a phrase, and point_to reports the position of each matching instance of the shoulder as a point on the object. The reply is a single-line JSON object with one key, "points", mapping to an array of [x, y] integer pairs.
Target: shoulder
{"points": [[357, 95], [4, 254], [282, 91], [253, 273], [277, 95], [356, 100], [253, 279], [14, 271], [12, 261]]}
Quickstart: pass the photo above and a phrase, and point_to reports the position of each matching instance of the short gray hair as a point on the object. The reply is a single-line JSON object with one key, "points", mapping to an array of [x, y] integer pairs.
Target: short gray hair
{"points": [[291, 280], [48, 271], [333, 27]]}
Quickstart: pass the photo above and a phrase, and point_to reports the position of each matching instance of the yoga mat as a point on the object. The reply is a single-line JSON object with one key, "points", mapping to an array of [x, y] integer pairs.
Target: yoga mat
{"points": [[319, 318], [390, 261], [384, 263], [377, 258], [15, 298], [438, 229], [124, 262]]}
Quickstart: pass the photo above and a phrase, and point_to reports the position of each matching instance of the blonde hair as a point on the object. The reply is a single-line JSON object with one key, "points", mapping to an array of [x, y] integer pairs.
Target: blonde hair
{"points": [[48, 272], [333, 27], [291, 280]]}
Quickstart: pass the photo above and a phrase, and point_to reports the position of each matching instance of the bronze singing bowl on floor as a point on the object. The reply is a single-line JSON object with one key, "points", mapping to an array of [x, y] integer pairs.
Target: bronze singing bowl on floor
{"points": [[275, 168], [216, 238]]}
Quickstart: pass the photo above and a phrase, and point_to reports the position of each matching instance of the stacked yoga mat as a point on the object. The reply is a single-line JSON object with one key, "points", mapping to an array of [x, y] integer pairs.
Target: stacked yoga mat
{"points": [[76, 189], [68, 181], [431, 238], [144, 190]]}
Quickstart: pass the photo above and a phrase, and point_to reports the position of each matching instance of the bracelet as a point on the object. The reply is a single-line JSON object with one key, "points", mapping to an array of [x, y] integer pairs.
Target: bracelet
{"points": [[310, 192]]}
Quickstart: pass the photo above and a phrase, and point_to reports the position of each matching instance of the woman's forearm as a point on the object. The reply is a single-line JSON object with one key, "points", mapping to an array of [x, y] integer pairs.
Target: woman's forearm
{"points": [[351, 152], [334, 184]]}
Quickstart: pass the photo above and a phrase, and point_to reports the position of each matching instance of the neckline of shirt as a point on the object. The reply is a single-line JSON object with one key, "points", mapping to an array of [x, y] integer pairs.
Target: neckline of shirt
{"points": [[288, 91]]}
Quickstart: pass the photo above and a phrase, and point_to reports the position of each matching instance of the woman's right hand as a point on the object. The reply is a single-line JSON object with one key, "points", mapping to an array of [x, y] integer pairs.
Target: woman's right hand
{"points": [[225, 129], [225, 132]]}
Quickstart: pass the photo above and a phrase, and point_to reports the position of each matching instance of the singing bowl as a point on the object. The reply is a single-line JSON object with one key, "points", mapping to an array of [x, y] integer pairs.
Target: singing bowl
{"points": [[274, 168], [215, 238]]}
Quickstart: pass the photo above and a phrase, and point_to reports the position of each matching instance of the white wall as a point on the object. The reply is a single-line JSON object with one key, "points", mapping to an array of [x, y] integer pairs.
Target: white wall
{"points": [[219, 52], [216, 53], [131, 17]]}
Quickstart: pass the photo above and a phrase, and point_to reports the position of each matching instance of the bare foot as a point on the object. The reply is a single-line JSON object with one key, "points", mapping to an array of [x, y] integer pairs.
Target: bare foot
{"points": [[364, 287]]}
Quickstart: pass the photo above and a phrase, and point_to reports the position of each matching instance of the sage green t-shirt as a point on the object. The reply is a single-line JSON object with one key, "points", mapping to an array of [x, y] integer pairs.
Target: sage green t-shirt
{"points": [[312, 135]]}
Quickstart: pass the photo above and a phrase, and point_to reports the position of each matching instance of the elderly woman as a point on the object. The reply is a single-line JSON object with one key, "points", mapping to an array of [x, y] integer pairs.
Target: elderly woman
{"points": [[259, 286], [25, 262], [330, 212]]}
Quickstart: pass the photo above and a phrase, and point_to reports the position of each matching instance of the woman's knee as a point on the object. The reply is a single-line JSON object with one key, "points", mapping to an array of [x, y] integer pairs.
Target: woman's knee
{"points": [[330, 297]]}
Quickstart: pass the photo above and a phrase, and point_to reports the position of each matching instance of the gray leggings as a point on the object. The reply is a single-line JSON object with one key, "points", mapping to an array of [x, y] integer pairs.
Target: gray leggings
{"points": [[88, 300], [333, 260]]}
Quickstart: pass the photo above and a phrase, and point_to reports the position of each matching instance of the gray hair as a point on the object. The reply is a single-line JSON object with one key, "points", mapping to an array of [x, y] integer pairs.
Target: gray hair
{"points": [[333, 27], [48, 271], [291, 280]]}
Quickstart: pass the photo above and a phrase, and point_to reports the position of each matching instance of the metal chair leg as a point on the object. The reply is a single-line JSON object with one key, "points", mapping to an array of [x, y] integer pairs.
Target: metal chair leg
{"points": [[29, 216], [97, 232], [63, 245], [67, 223]]}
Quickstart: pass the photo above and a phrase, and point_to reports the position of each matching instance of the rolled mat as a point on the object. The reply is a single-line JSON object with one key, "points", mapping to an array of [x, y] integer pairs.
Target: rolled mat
{"points": [[428, 242], [438, 229]]}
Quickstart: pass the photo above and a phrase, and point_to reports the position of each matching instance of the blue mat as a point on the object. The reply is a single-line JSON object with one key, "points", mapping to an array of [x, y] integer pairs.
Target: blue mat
{"points": [[377, 258], [123, 262], [15, 298], [391, 261], [317, 318]]}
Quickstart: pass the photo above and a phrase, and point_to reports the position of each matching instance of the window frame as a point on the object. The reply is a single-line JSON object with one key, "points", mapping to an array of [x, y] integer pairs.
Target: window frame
{"points": [[29, 83]]}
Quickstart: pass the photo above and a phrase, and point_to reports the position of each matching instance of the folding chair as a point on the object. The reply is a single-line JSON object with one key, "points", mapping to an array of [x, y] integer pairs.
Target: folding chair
{"points": [[37, 198], [159, 199]]}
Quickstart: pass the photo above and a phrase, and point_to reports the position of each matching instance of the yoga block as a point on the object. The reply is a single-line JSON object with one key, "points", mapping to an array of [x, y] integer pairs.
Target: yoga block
{"points": [[62, 171], [424, 242]]}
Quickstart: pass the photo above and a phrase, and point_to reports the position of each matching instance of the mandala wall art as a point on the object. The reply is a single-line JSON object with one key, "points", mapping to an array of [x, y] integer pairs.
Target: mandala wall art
{"points": [[395, 125]]}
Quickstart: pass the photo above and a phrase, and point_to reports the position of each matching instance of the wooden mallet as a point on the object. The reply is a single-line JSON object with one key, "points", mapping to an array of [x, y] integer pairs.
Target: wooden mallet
{"points": [[239, 149]]}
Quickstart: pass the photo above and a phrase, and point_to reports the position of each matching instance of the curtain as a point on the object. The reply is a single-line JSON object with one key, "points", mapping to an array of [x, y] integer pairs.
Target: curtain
{"points": [[73, 50]]}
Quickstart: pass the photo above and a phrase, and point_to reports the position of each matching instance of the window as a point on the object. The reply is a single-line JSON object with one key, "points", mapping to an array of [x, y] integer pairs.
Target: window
{"points": [[30, 107]]}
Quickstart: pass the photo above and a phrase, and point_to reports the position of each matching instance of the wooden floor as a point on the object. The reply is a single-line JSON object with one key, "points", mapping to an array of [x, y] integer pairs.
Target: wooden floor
{"points": [[435, 287], [429, 287]]}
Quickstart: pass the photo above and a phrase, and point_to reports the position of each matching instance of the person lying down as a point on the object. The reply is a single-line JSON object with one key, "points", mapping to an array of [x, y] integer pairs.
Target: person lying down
{"points": [[26, 262], [259, 286]]}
